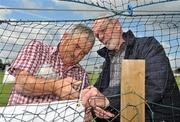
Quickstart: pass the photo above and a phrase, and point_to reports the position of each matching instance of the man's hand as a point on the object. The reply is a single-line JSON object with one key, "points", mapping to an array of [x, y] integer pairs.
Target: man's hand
{"points": [[101, 113], [67, 88], [88, 115], [92, 98]]}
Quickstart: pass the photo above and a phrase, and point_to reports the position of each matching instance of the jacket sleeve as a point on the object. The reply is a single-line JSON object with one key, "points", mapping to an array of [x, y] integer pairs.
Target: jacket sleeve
{"points": [[157, 70]]}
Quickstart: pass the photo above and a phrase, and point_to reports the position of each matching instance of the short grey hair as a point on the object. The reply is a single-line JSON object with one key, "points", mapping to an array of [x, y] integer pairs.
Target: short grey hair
{"points": [[83, 29]]}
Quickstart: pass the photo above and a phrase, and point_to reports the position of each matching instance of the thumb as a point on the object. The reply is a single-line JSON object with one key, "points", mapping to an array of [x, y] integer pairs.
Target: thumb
{"points": [[84, 97], [77, 85], [74, 94], [76, 82]]}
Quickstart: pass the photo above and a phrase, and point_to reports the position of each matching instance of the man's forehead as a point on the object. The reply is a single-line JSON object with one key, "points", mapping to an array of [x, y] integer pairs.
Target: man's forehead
{"points": [[79, 39], [106, 21], [103, 21], [80, 35]]}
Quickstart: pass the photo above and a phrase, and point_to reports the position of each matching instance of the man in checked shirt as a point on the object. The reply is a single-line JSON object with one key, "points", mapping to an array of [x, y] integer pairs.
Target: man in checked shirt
{"points": [[65, 72]]}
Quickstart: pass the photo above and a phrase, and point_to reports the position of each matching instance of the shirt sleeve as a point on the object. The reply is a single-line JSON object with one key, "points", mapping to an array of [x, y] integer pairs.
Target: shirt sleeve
{"points": [[28, 58]]}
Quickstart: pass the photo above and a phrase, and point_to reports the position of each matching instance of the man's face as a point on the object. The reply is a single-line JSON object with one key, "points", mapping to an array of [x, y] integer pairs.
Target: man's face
{"points": [[74, 47], [109, 32]]}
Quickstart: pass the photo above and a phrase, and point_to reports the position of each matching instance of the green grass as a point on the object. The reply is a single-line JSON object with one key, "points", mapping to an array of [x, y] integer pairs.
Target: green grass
{"points": [[93, 77], [5, 90], [178, 81]]}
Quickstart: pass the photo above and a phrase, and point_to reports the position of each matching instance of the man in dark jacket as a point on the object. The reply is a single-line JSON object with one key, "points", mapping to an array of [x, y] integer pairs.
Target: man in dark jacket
{"points": [[161, 90]]}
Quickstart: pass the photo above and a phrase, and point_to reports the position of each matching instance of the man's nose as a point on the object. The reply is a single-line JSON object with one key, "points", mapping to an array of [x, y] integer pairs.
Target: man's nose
{"points": [[77, 53], [101, 36]]}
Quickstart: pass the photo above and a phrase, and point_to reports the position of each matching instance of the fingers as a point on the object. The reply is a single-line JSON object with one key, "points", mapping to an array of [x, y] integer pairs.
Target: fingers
{"points": [[74, 93], [69, 88], [72, 82], [99, 101], [88, 115], [89, 92], [92, 97], [84, 98], [76, 85], [69, 93], [99, 112], [75, 90], [75, 82]]}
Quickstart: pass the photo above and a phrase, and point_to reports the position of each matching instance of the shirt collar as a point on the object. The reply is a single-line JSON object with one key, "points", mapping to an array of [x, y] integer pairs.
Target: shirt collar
{"points": [[129, 41], [53, 50]]}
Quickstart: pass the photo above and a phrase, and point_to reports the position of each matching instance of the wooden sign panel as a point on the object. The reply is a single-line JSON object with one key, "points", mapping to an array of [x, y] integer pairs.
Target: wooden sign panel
{"points": [[133, 91]]}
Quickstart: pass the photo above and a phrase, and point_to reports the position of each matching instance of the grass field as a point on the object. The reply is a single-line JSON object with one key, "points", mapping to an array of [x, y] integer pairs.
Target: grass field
{"points": [[93, 77], [5, 89], [178, 81]]}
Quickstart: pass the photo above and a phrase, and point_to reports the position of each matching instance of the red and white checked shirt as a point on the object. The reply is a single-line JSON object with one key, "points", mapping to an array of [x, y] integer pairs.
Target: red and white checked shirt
{"points": [[31, 58]]}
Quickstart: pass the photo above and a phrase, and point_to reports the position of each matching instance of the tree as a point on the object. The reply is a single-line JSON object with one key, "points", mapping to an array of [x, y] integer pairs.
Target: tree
{"points": [[177, 70], [1, 61], [2, 66]]}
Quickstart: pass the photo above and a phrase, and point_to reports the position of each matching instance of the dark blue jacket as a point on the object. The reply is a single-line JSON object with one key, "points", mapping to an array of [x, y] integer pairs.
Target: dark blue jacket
{"points": [[160, 85]]}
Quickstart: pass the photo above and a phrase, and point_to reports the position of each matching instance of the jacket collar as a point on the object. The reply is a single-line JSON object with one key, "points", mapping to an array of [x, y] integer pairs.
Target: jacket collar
{"points": [[129, 40]]}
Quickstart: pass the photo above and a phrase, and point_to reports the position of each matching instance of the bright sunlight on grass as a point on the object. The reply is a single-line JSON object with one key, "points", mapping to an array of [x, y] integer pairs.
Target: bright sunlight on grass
{"points": [[5, 90], [178, 81]]}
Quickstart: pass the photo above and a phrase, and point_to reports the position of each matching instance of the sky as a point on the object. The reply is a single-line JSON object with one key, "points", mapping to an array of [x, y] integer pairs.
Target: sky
{"points": [[32, 15], [68, 8], [76, 11], [66, 12]]}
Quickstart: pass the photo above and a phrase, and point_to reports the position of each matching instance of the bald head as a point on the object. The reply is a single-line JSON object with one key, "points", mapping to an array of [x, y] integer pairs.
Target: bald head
{"points": [[109, 32]]}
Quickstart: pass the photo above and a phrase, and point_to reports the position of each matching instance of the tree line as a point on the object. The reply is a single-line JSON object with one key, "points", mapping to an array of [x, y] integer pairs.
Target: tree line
{"points": [[3, 65]]}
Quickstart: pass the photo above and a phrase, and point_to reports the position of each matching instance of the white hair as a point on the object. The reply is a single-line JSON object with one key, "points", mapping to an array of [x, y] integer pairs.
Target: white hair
{"points": [[83, 29]]}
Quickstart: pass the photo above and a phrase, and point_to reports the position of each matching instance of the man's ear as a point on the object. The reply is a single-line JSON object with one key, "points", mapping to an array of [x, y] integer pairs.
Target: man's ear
{"points": [[117, 24], [65, 35]]}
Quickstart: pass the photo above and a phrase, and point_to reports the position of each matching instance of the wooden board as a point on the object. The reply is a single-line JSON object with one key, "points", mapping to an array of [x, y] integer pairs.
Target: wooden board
{"points": [[133, 91]]}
